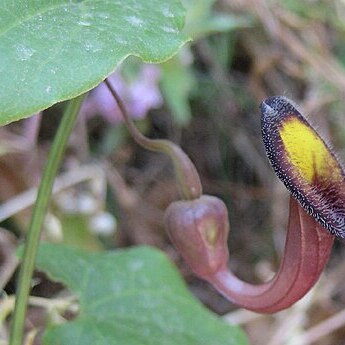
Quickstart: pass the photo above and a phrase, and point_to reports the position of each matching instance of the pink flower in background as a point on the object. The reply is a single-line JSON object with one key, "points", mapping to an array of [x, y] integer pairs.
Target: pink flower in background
{"points": [[139, 96]]}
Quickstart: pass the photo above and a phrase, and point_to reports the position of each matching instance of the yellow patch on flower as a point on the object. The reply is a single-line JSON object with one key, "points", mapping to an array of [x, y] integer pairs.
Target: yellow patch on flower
{"points": [[304, 163], [307, 152]]}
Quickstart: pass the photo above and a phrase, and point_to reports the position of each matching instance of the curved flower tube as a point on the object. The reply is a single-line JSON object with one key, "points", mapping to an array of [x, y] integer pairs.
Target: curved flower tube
{"points": [[199, 230], [306, 252]]}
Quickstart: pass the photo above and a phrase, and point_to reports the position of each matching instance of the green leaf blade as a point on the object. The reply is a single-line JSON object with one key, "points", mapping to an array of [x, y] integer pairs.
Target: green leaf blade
{"points": [[130, 297], [54, 50]]}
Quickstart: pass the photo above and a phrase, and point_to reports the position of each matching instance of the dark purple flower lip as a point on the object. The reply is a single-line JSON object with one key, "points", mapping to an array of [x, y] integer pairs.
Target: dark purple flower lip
{"points": [[304, 163]]}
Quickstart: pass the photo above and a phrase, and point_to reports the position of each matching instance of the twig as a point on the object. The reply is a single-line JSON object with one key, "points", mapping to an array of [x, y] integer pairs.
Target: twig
{"points": [[10, 261], [322, 329], [65, 181]]}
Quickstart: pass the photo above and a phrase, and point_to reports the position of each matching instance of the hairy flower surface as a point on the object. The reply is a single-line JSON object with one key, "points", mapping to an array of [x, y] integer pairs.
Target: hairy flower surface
{"points": [[304, 163]]}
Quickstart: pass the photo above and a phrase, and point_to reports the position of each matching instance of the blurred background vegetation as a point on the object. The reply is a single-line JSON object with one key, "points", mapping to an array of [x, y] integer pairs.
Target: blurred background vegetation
{"points": [[112, 193]]}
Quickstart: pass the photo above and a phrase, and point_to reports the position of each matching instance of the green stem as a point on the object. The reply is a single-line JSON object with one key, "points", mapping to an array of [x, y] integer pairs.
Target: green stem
{"points": [[30, 249], [187, 176]]}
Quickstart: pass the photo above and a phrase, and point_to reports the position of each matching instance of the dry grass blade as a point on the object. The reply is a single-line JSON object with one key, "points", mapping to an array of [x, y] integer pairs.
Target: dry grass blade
{"points": [[8, 259], [65, 181], [322, 329]]}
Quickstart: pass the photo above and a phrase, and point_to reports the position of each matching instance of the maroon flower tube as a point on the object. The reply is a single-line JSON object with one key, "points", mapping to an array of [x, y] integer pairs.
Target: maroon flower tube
{"points": [[199, 230]]}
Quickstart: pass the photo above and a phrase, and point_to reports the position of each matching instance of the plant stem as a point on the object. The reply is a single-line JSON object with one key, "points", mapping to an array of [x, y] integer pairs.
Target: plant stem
{"points": [[187, 177], [30, 249]]}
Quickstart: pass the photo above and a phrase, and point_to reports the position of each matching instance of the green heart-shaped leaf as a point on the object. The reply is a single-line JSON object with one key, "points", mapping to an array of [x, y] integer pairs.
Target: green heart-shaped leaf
{"points": [[130, 297], [54, 50]]}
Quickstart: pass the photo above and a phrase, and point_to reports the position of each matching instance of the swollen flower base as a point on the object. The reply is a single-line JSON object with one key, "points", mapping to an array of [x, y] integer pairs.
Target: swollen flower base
{"points": [[199, 230]]}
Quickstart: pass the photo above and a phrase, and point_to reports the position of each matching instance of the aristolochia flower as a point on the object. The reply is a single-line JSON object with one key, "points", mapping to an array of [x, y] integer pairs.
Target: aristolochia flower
{"points": [[198, 225]]}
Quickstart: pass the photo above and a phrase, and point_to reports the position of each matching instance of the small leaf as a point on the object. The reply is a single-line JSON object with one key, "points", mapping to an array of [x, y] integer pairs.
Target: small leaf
{"points": [[54, 50], [202, 20], [76, 232], [130, 297]]}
